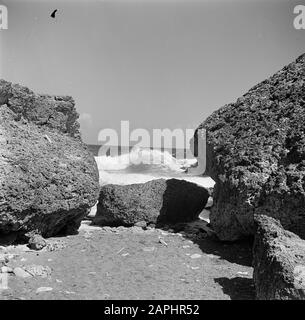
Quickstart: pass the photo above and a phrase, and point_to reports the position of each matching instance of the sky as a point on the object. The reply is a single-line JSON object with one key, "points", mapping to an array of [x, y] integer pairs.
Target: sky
{"points": [[158, 64]]}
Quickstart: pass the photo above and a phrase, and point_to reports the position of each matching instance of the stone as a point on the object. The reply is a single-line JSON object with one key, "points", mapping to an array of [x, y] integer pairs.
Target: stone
{"points": [[43, 289], [158, 201], [48, 177], [135, 229], [255, 153], [6, 269], [38, 270], [37, 242], [21, 273], [141, 224], [278, 261], [205, 215], [162, 242], [209, 203]]}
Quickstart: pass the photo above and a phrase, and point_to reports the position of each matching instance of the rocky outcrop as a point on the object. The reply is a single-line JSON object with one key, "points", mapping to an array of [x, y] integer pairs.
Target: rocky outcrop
{"points": [[48, 178], [157, 201], [279, 262], [256, 155]]}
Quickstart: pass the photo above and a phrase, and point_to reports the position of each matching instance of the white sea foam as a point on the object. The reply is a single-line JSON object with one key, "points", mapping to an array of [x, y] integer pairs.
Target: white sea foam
{"points": [[142, 165], [144, 160]]}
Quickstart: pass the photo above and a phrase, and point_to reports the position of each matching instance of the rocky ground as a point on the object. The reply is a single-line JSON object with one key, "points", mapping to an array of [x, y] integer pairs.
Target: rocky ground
{"points": [[130, 263]]}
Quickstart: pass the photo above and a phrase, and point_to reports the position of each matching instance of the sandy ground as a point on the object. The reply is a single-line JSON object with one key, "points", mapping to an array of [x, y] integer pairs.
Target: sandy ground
{"points": [[132, 263], [186, 262]]}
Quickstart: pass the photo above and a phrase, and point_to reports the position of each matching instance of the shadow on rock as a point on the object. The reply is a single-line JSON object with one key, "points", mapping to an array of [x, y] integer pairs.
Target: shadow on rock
{"points": [[238, 288]]}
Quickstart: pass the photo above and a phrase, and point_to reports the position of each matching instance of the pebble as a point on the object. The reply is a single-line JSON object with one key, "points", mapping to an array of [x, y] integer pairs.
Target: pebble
{"points": [[141, 224], [209, 203], [44, 289], [37, 242], [136, 229], [19, 272], [164, 233], [6, 269], [125, 254], [195, 256], [56, 245], [162, 241], [37, 270], [87, 235], [195, 268], [107, 229]]}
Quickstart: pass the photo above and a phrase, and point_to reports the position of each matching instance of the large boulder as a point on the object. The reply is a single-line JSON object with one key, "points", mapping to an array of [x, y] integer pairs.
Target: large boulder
{"points": [[255, 152], [279, 262], [157, 201], [48, 178]]}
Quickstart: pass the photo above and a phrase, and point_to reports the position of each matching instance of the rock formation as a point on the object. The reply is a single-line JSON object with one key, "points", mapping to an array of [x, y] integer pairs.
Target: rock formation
{"points": [[279, 262], [158, 201], [256, 155], [48, 178]]}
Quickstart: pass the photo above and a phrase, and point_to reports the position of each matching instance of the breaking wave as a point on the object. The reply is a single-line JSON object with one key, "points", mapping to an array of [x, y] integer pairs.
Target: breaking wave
{"points": [[141, 160]]}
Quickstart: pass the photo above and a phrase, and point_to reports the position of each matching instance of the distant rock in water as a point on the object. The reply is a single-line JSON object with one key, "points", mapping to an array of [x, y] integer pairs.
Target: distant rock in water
{"points": [[156, 201], [279, 262], [48, 178], [256, 155]]}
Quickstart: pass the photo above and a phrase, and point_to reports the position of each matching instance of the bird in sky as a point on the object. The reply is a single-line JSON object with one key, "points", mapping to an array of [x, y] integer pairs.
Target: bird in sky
{"points": [[53, 13]]}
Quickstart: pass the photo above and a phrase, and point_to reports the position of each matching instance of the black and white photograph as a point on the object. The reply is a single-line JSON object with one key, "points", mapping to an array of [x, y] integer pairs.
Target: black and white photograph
{"points": [[152, 151]]}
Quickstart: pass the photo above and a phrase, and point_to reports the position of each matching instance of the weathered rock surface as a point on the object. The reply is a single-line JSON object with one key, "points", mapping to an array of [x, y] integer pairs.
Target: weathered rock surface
{"points": [[279, 262], [48, 178], [256, 155], [36, 242], [156, 201]]}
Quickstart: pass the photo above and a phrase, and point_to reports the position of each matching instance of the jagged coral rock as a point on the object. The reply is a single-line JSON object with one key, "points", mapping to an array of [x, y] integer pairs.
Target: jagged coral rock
{"points": [[48, 178], [256, 155], [279, 262], [156, 201]]}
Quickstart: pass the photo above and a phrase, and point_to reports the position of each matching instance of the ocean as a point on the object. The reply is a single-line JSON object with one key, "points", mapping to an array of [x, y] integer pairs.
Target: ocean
{"points": [[140, 165]]}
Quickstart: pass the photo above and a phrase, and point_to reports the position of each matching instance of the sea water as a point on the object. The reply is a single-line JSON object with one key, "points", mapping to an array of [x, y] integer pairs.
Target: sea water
{"points": [[139, 165]]}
